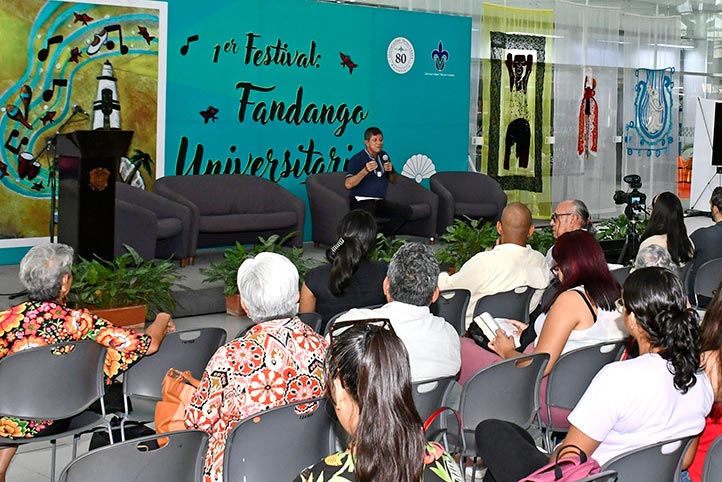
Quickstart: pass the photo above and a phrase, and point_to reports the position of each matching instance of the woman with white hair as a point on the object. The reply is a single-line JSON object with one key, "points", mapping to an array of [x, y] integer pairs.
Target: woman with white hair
{"points": [[278, 361]]}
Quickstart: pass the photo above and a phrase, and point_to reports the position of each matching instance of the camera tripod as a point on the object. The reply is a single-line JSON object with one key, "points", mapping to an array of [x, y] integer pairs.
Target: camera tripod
{"points": [[631, 240]]}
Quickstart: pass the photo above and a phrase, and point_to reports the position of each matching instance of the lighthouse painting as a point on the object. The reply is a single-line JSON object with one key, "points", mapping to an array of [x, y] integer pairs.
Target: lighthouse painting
{"points": [[106, 108]]}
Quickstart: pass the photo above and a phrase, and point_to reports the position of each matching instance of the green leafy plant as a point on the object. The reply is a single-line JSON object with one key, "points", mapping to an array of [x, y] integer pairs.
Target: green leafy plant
{"points": [[541, 239], [385, 248], [227, 270], [127, 280], [617, 228], [463, 239]]}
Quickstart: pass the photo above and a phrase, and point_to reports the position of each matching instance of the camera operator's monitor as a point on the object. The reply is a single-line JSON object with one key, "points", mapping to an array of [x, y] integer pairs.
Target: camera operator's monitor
{"points": [[717, 135]]}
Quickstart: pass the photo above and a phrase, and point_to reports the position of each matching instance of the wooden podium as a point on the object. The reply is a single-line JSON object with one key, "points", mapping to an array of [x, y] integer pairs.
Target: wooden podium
{"points": [[87, 167]]}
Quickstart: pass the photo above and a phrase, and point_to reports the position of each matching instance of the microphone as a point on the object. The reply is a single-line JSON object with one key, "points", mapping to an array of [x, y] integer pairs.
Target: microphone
{"points": [[79, 110], [384, 159]]}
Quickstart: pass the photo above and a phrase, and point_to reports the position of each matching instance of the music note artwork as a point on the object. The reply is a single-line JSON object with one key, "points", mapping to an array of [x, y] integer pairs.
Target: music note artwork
{"points": [[43, 53], [16, 114], [101, 39], [48, 94], [9, 142], [184, 48]]}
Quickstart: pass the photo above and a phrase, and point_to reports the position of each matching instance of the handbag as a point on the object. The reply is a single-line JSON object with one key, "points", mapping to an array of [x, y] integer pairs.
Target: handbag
{"points": [[568, 469], [439, 430], [178, 388]]}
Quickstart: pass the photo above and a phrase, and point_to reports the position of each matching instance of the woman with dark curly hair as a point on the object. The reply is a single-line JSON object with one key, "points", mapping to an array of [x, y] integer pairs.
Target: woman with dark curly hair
{"points": [[666, 228], [368, 379], [661, 395], [351, 279]]}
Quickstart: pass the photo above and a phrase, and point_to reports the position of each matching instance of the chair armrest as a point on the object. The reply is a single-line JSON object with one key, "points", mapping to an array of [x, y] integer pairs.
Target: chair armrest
{"points": [[136, 227]]}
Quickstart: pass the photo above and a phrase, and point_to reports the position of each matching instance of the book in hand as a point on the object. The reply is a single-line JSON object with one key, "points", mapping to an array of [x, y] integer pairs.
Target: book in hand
{"points": [[489, 325]]}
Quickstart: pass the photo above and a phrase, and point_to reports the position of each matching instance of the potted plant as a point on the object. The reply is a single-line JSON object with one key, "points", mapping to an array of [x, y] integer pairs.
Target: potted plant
{"points": [[463, 239], [226, 271], [541, 239], [612, 233], [131, 288], [385, 248]]}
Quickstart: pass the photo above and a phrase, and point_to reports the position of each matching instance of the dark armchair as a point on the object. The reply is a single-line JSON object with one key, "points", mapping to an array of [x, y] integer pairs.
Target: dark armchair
{"points": [[234, 207], [154, 226], [328, 200], [469, 194]]}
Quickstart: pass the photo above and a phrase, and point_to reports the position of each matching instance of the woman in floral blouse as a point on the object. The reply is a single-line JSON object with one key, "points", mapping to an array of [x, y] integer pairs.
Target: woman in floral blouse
{"points": [[46, 273], [369, 381], [278, 361]]}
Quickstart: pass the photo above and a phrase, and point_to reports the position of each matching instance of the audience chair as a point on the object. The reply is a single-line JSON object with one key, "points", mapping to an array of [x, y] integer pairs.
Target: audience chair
{"points": [[50, 383], [508, 390], [660, 462], [620, 274], [451, 306], [568, 381], [179, 460], [706, 280], [429, 396], [712, 471], [183, 350], [512, 304], [313, 320], [278, 444], [470, 194], [606, 476]]}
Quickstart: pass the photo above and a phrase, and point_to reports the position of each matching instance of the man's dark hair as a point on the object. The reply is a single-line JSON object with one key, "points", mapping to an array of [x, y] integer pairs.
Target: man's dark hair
{"points": [[370, 132], [716, 199]]}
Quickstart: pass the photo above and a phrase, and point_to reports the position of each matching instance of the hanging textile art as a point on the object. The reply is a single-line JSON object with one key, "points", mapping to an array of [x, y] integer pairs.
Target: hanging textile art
{"points": [[649, 133], [588, 120], [516, 132], [516, 101]]}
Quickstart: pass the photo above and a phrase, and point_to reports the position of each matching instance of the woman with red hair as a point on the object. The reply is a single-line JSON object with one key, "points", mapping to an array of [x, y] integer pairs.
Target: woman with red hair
{"points": [[580, 313]]}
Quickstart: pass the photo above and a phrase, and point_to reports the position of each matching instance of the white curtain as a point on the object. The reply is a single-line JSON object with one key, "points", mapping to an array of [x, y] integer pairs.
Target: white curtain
{"points": [[651, 101], [587, 48]]}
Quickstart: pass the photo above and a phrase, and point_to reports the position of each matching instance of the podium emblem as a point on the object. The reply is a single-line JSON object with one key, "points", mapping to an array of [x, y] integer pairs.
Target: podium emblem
{"points": [[99, 178]]}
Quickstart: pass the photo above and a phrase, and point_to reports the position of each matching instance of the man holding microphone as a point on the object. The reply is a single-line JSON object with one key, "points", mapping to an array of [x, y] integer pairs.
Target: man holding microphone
{"points": [[367, 177]]}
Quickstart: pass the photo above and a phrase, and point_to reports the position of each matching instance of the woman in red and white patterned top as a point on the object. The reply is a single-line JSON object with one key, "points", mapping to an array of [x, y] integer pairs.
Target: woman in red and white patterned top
{"points": [[278, 361], [46, 272]]}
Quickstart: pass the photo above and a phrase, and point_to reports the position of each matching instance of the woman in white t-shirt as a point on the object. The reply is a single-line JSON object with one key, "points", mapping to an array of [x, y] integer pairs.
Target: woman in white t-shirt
{"points": [[660, 395]]}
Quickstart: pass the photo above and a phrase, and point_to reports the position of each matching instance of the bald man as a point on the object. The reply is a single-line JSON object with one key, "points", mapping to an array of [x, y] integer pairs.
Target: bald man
{"points": [[510, 264]]}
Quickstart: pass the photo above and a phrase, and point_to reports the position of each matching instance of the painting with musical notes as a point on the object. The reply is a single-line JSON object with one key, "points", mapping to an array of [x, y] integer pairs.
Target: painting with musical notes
{"points": [[55, 56]]}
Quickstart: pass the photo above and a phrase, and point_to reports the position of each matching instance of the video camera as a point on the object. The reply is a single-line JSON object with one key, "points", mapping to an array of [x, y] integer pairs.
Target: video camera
{"points": [[634, 199]]}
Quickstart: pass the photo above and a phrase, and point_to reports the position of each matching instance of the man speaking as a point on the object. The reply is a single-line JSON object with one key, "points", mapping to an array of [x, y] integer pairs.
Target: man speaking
{"points": [[367, 177]]}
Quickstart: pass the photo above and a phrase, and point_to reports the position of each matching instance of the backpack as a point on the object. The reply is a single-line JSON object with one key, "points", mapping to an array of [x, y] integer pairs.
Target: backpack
{"points": [[568, 469]]}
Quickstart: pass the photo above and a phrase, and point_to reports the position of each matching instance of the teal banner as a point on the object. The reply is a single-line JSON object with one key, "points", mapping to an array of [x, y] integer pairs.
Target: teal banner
{"points": [[285, 88]]}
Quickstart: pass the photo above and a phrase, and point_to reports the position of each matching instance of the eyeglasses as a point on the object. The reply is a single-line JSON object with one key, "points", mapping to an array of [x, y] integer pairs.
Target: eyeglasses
{"points": [[555, 270], [341, 326], [619, 305], [555, 216]]}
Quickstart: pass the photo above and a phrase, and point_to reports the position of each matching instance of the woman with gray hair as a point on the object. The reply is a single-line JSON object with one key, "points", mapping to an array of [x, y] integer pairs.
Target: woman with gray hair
{"points": [[278, 361], [46, 273], [654, 255]]}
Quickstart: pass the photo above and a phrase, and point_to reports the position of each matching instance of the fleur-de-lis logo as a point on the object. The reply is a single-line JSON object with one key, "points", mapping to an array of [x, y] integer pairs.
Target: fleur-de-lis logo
{"points": [[440, 56]]}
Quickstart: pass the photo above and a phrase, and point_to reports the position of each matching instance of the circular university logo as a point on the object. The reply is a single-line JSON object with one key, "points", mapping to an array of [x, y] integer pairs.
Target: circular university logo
{"points": [[400, 55]]}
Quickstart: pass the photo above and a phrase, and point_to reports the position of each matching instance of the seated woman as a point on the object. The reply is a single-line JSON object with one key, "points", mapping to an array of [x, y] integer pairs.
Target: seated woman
{"points": [[351, 280], [660, 395], [666, 228], [580, 313], [46, 273], [712, 363], [368, 379], [278, 361]]}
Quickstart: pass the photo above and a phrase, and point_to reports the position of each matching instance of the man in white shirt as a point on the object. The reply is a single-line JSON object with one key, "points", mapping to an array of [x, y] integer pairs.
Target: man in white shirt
{"points": [[569, 215], [410, 287], [510, 264]]}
